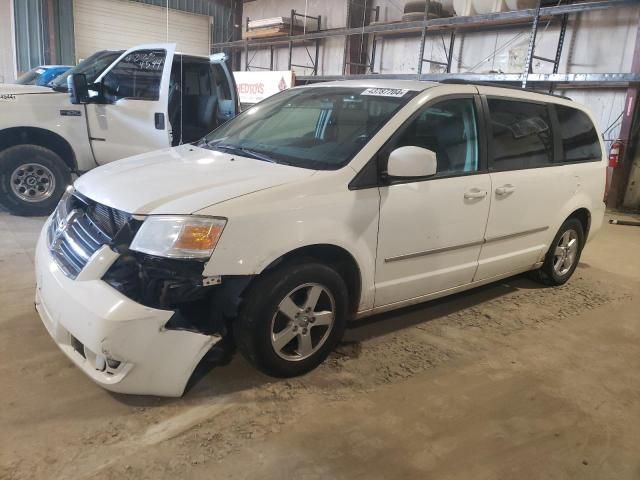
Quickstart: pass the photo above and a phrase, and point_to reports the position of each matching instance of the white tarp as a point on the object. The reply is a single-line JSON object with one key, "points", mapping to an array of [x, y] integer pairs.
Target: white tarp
{"points": [[256, 86]]}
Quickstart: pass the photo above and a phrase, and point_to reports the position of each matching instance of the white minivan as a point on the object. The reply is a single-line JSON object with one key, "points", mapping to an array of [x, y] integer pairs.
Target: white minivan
{"points": [[319, 205]]}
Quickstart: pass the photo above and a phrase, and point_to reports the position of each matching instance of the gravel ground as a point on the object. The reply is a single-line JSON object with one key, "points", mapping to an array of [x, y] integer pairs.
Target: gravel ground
{"points": [[510, 380]]}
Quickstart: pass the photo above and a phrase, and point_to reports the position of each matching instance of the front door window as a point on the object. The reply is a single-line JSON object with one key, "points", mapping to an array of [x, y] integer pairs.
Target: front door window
{"points": [[449, 129]]}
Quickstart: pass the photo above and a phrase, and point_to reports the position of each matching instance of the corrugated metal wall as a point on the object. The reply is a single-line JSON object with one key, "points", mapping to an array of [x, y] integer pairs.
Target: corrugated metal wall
{"points": [[30, 34], [32, 27], [34, 20], [65, 43], [7, 46]]}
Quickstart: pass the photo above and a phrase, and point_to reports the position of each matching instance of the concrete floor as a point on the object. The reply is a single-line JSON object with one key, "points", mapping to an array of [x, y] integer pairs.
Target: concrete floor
{"points": [[506, 381]]}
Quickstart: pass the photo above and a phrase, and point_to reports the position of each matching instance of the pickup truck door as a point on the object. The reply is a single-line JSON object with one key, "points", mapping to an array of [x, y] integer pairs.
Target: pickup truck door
{"points": [[132, 116], [228, 102]]}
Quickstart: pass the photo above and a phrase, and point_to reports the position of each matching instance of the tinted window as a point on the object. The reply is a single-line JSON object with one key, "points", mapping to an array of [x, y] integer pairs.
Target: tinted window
{"points": [[136, 76], [579, 137], [449, 129], [521, 133]]}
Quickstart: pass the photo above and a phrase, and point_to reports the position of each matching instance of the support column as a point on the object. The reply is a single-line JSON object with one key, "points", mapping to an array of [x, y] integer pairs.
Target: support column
{"points": [[49, 11], [236, 63], [621, 175]]}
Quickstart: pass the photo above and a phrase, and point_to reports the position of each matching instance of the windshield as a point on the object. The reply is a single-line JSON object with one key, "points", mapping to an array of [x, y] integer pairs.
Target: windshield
{"points": [[92, 67], [321, 128], [30, 77]]}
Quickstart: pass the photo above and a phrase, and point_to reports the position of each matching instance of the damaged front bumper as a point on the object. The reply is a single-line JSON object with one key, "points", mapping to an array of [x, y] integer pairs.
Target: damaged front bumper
{"points": [[120, 344]]}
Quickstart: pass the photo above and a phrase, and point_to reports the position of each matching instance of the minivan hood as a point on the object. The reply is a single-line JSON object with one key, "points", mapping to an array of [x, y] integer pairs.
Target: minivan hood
{"points": [[181, 180], [14, 89]]}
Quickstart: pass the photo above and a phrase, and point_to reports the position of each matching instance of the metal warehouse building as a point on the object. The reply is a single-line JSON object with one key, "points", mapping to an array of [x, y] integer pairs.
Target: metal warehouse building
{"points": [[66, 31]]}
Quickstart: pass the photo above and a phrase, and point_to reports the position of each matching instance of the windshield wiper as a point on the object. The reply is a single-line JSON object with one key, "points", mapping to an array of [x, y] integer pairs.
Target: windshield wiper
{"points": [[246, 152]]}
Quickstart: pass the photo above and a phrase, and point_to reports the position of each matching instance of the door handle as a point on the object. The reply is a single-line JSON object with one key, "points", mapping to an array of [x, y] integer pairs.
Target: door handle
{"points": [[159, 119], [505, 189], [475, 193]]}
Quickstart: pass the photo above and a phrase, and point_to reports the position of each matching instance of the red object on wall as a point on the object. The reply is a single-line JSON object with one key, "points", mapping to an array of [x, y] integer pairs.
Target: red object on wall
{"points": [[615, 153]]}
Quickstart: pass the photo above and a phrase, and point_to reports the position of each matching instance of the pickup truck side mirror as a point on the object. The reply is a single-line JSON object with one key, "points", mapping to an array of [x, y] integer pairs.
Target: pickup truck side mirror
{"points": [[411, 162], [78, 88]]}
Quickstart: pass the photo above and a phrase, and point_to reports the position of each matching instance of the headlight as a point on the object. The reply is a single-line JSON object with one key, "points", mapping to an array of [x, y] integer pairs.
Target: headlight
{"points": [[62, 210], [179, 237]]}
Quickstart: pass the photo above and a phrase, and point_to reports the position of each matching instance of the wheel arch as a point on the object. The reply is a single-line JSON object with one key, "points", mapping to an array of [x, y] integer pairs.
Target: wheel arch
{"points": [[584, 216], [13, 136], [337, 257]]}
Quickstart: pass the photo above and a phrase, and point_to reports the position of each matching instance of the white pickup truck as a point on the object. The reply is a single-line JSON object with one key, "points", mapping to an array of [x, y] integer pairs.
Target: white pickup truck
{"points": [[113, 105]]}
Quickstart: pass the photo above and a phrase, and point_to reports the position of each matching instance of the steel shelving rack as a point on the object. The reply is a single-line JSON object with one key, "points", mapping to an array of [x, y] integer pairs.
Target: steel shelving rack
{"points": [[253, 44], [453, 26]]}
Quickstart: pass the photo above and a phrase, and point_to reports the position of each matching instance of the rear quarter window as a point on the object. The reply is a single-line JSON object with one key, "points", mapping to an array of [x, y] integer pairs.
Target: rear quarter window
{"points": [[579, 137]]}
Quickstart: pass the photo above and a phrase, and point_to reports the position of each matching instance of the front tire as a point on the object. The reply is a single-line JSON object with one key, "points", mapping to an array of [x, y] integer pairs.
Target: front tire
{"points": [[292, 318], [563, 255], [32, 179]]}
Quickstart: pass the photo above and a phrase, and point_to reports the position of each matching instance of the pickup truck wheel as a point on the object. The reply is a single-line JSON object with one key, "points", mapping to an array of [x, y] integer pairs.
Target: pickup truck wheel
{"points": [[292, 318], [32, 179], [563, 255]]}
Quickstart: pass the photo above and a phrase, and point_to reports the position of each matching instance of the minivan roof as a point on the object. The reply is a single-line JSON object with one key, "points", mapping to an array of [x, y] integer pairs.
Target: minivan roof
{"points": [[414, 85], [461, 81], [419, 86]]}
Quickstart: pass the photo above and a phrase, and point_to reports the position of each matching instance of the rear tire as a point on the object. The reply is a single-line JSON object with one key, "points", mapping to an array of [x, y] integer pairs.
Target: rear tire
{"points": [[563, 255], [292, 318], [32, 179]]}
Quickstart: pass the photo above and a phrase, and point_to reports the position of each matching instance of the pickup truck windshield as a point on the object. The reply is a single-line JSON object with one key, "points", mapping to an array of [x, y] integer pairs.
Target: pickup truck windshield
{"points": [[320, 128], [92, 67]]}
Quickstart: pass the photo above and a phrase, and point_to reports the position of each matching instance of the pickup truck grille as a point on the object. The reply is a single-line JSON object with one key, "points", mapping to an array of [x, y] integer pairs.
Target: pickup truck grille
{"points": [[78, 228]]}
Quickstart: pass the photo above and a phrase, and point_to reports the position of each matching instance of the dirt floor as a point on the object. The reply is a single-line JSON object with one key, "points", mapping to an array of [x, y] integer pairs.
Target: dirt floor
{"points": [[510, 380]]}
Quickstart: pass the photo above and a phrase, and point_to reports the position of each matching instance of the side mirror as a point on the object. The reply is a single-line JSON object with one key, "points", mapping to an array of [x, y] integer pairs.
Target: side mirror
{"points": [[78, 88], [410, 162]]}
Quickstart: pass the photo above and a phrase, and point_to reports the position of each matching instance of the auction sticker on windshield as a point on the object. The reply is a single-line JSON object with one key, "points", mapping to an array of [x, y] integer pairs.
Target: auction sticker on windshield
{"points": [[385, 92]]}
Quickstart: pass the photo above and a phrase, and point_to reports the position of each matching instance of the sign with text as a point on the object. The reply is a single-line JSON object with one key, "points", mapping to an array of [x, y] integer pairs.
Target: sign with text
{"points": [[256, 86]]}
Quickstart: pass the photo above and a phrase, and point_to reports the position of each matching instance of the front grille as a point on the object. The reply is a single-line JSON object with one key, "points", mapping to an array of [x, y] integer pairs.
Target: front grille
{"points": [[107, 219], [79, 228]]}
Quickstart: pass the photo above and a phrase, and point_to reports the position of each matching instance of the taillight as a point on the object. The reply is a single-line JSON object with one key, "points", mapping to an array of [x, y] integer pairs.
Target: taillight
{"points": [[615, 153]]}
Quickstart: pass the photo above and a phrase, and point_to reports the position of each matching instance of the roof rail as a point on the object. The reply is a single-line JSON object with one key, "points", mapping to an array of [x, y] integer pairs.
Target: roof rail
{"points": [[462, 81]]}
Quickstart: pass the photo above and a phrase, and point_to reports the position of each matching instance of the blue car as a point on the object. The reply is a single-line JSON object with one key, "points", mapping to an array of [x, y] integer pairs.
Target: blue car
{"points": [[42, 75]]}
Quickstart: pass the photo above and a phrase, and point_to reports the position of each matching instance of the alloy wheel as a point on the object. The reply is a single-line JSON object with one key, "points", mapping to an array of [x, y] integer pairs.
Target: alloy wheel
{"points": [[566, 252], [303, 322]]}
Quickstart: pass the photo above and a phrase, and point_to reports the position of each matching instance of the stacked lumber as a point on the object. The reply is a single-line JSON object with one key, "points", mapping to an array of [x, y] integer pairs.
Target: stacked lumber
{"points": [[279, 27]]}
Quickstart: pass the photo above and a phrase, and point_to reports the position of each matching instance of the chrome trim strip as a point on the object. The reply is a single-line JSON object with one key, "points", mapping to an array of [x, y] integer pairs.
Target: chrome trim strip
{"points": [[75, 246], [85, 230], [465, 245], [517, 234], [430, 252]]}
